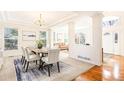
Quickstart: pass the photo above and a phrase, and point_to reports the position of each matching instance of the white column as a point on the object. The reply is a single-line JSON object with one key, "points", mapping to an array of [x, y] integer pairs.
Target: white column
{"points": [[49, 38], [71, 35], [97, 35], [90, 54], [121, 36]]}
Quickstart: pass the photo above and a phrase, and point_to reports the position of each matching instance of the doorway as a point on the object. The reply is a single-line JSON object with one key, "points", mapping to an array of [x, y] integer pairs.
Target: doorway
{"points": [[112, 48], [60, 37]]}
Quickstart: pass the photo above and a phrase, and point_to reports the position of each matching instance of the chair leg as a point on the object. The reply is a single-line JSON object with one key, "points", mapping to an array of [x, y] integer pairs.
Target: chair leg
{"points": [[58, 66], [41, 67], [40, 64], [36, 62], [24, 63], [27, 66], [48, 70], [23, 60]]}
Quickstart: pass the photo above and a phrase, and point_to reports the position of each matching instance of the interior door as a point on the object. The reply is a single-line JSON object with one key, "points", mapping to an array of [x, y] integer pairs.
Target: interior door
{"points": [[111, 43], [108, 43]]}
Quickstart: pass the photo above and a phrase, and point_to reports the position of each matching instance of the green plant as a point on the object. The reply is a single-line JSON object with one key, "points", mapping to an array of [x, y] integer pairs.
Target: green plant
{"points": [[39, 44]]}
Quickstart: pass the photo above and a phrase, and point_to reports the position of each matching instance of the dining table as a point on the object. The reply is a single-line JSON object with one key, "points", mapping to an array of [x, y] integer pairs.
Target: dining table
{"points": [[38, 51], [42, 53]]}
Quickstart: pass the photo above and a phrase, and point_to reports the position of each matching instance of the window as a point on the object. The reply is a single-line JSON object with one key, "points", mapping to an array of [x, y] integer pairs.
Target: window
{"points": [[43, 37], [10, 39], [110, 21]]}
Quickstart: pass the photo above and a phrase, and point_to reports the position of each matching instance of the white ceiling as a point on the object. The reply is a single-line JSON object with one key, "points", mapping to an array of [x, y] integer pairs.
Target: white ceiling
{"points": [[29, 17], [113, 13]]}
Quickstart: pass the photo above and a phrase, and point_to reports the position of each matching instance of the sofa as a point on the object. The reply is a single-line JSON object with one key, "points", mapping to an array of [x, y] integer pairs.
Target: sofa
{"points": [[62, 46]]}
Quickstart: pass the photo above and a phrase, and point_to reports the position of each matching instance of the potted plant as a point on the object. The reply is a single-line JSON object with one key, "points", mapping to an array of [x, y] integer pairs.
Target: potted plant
{"points": [[39, 44]]}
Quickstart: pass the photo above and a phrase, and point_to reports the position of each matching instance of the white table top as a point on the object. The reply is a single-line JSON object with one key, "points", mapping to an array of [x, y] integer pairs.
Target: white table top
{"points": [[43, 50]]}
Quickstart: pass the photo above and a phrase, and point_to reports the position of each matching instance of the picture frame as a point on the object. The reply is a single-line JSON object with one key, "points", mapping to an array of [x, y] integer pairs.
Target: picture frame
{"points": [[28, 36]]}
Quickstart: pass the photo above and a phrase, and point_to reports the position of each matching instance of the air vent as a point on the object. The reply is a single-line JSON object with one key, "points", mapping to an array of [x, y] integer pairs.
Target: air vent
{"points": [[81, 57]]}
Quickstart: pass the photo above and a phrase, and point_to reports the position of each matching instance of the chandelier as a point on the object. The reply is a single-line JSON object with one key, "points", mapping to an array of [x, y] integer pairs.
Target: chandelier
{"points": [[40, 22]]}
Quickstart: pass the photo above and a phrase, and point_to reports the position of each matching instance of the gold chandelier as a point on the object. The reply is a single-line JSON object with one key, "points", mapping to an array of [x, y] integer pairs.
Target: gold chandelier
{"points": [[40, 22]]}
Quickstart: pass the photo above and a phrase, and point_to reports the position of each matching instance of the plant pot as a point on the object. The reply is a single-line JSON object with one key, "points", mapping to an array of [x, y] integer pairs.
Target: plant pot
{"points": [[39, 47]]}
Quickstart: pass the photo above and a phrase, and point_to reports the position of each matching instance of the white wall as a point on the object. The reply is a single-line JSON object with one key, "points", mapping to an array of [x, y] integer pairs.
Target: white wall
{"points": [[21, 42], [122, 36], [122, 43], [94, 52]]}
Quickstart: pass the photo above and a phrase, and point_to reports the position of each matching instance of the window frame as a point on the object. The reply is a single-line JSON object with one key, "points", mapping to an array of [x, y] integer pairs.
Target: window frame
{"points": [[42, 38], [16, 38]]}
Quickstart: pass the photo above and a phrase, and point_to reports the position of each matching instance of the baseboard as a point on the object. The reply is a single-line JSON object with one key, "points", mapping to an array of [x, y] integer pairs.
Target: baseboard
{"points": [[113, 54]]}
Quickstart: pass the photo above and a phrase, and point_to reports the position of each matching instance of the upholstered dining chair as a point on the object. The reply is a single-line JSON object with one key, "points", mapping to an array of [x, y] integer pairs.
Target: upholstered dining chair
{"points": [[29, 51], [30, 58], [52, 58], [23, 54]]}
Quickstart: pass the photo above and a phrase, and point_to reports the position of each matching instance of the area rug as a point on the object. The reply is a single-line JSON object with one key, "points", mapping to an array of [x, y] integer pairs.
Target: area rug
{"points": [[70, 69], [34, 74]]}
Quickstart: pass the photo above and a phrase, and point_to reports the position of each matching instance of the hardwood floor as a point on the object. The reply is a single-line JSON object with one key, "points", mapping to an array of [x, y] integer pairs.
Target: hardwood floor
{"points": [[94, 74], [112, 70]]}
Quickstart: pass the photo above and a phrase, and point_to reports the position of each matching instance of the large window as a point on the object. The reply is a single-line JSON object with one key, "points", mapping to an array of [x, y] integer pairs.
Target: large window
{"points": [[43, 37], [10, 39]]}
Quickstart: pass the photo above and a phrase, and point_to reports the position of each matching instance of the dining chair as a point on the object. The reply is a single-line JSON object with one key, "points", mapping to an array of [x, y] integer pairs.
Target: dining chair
{"points": [[30, 58], [29, 50], [52, 58]]}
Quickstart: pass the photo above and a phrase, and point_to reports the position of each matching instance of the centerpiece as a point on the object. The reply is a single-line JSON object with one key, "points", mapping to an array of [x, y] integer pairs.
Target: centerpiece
{"points": [[39, 44]]}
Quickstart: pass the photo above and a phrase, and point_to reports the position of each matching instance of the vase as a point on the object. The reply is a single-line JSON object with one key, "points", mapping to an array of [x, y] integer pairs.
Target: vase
{"points": [[39, 47]]}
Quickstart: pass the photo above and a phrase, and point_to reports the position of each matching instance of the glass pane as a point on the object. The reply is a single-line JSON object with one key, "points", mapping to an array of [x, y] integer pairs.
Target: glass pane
{"points": [[43, 37], [10, 39], [110, 21], [44, 43], [11, 44], [10, 33]]}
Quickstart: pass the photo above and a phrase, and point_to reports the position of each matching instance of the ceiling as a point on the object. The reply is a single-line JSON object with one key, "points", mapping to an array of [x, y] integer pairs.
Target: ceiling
{"points": [[29, 17], [113, 13]]}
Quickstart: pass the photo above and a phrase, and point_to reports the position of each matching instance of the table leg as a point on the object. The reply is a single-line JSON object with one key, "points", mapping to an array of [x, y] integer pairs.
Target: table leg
{"points": [[41, 64]]}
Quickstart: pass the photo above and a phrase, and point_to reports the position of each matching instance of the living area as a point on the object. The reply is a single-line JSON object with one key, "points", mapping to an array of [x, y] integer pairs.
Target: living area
{"points": [[63, 44]]}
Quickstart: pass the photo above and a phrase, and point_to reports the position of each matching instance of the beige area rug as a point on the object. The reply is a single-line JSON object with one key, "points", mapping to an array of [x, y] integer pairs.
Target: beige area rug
{"points": [[8, 70], [80, 67]]}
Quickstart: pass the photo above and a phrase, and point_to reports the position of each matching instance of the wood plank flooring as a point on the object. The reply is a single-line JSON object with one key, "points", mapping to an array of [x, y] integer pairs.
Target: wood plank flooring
{"points": [[94, 74], [112, 70]]}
